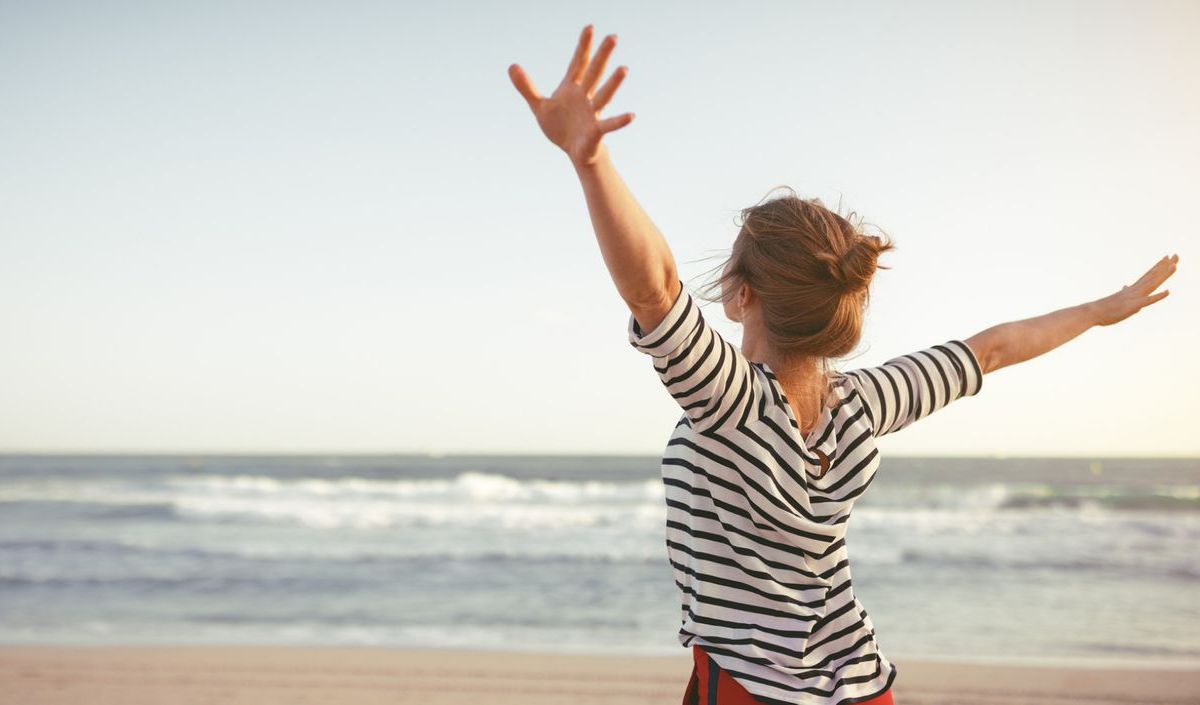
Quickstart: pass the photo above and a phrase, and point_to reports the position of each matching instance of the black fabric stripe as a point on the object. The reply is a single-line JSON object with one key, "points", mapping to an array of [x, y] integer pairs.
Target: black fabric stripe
{"points": [[733, 604], [971, 358], [794, 506], [746, 587], [705, 359], [785, 464], [941, 371], [830, 617], [761, 575], [903, 404], [758, 488], [787, 633], [862, 472], [959, 371], [771, 379], [834, 570], [776, 525], [741, 550], [866, 407], [724, 506], [849, 495], [735, 372], [885, 402], [834, 412], [844, 585], [745, 418], [895, 401], [716, 647], [817, 670], [784, 649], [685, 351], [835, 636], [834, 459], [694, 337], [713, 676], [825, 494], [917, 392], [787, 438], [846, 424], [701, 361], [755, 538], [687, 308]]}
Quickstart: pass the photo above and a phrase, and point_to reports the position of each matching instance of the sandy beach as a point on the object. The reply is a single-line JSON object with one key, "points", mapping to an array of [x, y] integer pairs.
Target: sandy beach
{"points": [[256, 675]]}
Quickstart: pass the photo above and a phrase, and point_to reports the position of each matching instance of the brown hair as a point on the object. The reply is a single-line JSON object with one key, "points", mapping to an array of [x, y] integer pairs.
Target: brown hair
{"points": [[811, 269]]}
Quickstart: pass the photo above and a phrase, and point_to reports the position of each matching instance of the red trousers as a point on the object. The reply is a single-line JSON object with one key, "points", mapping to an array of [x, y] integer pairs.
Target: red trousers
{"points": [[727, 691]]}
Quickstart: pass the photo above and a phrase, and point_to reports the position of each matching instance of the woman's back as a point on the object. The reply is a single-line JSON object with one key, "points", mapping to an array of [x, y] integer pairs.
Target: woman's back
{"points": [[755, 531]]}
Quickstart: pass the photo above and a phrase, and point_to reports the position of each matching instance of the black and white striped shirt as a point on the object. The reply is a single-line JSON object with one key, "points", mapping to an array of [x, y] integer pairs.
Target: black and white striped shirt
{"points": [[755, 532]]}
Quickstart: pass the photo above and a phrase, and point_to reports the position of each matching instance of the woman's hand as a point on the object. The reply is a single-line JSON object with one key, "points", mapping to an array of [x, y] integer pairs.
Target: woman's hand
{"points": [[569, 116], [1130, 299]]}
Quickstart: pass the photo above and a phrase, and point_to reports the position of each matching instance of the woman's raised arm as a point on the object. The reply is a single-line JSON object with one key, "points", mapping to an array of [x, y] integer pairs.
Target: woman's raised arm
{"points": [[635, 252], [1018, 341]]}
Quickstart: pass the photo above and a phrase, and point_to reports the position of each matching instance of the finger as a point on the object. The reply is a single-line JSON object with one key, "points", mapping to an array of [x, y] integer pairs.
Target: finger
{"points": [[579, 61], [596, 68], [605, 94], [1165, 268], [1157, 297], [1172, 263], [524, 86], [1149, 272], [1157, 274], [614, 123]]}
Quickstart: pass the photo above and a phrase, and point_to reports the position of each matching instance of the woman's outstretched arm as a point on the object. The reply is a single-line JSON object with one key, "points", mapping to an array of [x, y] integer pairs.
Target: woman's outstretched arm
{"points": [[1017, 341], [635, 252]]}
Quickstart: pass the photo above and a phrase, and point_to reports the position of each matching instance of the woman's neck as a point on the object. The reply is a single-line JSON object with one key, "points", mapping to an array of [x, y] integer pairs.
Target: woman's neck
{"points": [[805, 381]]}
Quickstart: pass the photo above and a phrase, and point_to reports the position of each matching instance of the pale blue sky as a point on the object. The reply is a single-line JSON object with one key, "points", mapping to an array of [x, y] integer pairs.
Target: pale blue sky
{"points": [[336, 227]]}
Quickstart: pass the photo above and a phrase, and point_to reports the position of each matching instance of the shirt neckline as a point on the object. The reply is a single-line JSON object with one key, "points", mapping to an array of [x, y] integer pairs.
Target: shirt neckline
{"points": [[813, 454]]}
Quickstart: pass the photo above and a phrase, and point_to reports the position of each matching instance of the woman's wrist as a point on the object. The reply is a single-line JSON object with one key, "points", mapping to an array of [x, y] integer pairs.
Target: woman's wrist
{"points": [[582, 165], [1094, 312]]}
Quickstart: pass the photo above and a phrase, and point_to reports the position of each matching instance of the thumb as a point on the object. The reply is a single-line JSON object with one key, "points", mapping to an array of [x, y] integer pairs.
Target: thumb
{"points": [[524, 86], [615, 123]]}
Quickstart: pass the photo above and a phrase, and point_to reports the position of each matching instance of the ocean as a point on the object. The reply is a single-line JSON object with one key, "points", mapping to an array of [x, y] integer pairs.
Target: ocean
{"points": [[1010, 559]]}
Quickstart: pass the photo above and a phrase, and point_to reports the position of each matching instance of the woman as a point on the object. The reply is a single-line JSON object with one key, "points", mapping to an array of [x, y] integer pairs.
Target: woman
{"points": [[774, 447]]}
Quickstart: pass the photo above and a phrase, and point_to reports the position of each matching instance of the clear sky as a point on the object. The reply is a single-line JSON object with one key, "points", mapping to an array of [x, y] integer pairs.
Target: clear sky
{"points": [[336, 227]]}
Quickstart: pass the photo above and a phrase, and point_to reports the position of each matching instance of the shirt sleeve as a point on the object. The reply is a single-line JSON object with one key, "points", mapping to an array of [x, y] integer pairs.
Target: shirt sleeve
{"points": [[910, 387], [707, 376]]}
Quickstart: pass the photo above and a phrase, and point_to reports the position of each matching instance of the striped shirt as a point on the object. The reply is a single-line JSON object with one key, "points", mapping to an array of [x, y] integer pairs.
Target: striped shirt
{"points": [[755, 531]]}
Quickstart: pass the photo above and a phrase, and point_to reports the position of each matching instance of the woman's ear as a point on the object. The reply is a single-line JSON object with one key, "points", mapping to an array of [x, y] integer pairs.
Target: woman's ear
{"points": [[736, 308], [744, 297]]}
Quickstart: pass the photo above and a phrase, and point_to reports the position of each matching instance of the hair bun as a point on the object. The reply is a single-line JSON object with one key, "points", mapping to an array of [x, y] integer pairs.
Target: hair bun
{"points": [[851, 270], [856, 268]]}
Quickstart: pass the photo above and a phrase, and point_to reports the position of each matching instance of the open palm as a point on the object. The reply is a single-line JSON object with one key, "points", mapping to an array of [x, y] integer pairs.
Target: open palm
{"points": [[1132, 298], [570, 116]]}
